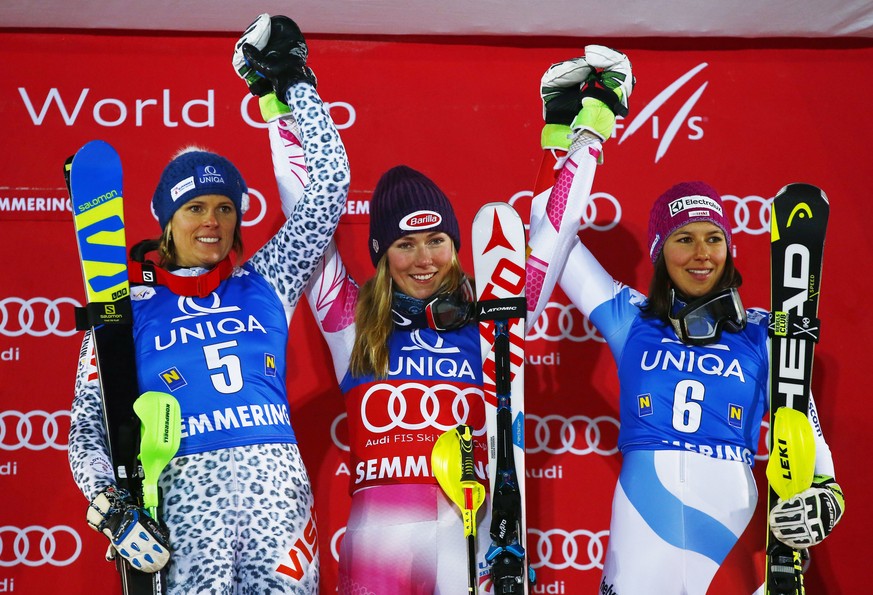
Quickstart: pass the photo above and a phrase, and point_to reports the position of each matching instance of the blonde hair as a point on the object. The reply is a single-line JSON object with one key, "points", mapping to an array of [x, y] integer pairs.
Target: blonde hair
{"points": [[374, 321]]}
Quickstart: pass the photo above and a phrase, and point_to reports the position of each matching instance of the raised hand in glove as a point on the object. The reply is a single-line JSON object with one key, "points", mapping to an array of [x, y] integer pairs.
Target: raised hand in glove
{"points": [[132, 533], [614, 73], [807, 518], [584, 95], [280, 60], [256, 34]]}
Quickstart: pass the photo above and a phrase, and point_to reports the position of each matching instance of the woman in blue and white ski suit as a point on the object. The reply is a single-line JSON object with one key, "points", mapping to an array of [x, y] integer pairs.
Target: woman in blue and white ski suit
{"points": [[236, 499], [693, 370]]}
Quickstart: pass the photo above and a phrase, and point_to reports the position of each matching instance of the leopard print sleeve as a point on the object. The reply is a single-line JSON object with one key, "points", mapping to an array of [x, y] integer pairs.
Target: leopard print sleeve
{"points": [[88, 452], [288, 259]]}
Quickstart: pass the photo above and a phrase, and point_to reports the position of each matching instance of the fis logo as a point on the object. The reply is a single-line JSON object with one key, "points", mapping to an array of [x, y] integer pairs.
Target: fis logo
{"points": [[652, 113]]}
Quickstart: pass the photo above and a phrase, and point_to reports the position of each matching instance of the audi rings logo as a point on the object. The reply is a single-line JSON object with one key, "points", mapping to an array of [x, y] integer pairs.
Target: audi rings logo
{"points": [[764, 447], [250, 219], [37, 317], [335, 543], [578, 435], [602, 213], [36, 546], [558, 549], [751, 214], [386, 407], [334, 432], [560, 322], [33, 430]]}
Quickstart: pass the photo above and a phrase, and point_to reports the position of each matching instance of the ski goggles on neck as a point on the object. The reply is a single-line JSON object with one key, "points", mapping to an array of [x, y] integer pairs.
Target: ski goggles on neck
{"points": [[452, 310], [702, 321]]}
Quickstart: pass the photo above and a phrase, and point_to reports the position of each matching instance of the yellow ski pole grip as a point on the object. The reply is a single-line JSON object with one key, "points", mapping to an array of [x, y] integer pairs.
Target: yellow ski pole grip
{"points": [[791, 466]]}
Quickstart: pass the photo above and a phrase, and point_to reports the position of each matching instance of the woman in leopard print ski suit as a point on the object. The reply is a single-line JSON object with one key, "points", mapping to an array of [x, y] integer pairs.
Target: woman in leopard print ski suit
{"points": [[236, 499]]}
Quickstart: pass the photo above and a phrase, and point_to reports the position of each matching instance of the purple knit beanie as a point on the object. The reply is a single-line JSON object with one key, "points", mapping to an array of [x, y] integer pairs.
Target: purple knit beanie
{"points": [[406, 201], [194, 173], [685, 203]]}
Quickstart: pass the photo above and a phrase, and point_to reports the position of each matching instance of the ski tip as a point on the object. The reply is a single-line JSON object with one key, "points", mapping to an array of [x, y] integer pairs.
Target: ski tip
{"points": [[502, 207], [95, 171], [96, 151], [804, 189], [798, 202]]}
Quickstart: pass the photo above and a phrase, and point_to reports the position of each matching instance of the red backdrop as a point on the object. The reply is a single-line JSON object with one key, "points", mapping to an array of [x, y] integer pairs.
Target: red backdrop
{"points": [[747, 117]]}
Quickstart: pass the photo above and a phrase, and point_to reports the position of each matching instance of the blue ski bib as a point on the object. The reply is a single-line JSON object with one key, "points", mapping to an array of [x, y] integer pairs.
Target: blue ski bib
{"points": [[673, 396], [222, 357]]}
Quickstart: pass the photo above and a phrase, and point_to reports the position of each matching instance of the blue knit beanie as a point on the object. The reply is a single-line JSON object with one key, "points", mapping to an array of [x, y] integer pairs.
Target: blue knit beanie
{"points": [[194, 173], [406, 201]]}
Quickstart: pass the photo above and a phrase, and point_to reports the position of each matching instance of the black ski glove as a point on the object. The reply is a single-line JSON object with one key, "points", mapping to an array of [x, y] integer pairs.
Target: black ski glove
{"points": [[283, 61]]}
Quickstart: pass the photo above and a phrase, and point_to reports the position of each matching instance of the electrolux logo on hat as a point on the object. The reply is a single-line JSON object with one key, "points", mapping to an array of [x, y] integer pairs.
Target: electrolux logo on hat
{"points": [[420, 220], [692, 202], [181, 188]]}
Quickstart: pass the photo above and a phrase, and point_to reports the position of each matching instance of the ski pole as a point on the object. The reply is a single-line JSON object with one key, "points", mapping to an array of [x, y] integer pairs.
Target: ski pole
{"points": [[453, 467]]}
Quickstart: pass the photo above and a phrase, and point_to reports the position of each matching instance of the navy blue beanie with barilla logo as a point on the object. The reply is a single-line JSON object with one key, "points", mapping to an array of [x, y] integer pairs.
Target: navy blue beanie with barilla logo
{"points": [[192, 173], [406, 201]]}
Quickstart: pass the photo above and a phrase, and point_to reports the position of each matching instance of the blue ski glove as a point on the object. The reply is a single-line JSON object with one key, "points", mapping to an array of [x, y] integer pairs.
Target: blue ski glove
{"points": [[810, 516], [132, 533], [584, 95]]}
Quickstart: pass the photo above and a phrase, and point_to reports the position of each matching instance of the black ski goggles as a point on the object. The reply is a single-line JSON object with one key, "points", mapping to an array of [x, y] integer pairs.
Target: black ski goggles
{"points": [[451, 310], [702, 321]]}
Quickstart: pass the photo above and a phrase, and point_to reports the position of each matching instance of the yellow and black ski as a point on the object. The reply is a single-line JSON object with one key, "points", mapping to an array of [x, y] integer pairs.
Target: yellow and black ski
{"points": [[798, 222]]}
